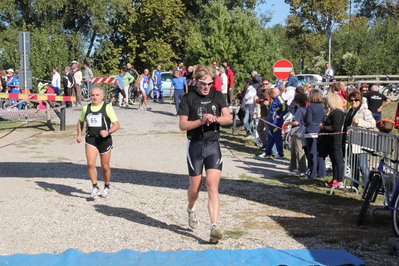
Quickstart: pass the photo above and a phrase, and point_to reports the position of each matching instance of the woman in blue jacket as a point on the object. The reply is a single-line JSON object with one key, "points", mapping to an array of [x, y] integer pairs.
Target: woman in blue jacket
{"points": [[314, 117]]}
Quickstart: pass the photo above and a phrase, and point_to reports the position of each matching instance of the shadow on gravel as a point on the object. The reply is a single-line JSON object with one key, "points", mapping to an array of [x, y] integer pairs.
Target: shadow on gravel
{"points": [[141, 218], [63, 189], [163, 113], [264, 166]]}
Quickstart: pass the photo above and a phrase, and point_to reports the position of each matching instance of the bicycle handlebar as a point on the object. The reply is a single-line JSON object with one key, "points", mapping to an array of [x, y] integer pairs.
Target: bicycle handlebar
{"points": [[383, 156]]}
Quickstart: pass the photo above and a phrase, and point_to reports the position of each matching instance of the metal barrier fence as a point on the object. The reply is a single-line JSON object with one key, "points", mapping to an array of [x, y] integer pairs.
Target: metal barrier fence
{"points": [[358, 163]]}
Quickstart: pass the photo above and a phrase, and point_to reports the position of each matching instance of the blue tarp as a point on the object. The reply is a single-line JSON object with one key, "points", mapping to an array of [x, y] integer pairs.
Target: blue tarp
{"points": [[263, 256]]}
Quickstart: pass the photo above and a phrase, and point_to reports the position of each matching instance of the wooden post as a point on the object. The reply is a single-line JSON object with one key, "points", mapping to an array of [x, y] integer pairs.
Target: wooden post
{"points": [[48, 114], [62, 119]]}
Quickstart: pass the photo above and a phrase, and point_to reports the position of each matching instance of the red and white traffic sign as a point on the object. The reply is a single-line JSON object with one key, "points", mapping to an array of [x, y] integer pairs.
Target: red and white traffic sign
{"points": [[282, 69]]}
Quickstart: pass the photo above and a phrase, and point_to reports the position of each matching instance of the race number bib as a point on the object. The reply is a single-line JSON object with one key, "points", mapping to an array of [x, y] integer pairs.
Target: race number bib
{"points": [[145, 85], [94, 120]]}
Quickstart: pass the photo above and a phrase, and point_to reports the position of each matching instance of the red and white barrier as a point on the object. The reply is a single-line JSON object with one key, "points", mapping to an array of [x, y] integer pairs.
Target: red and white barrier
{"points": [[103, 80], [41, 97], [191, 82]]}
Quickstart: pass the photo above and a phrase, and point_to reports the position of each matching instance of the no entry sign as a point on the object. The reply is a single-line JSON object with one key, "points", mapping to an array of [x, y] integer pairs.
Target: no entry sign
{"points": [[282, 69]]}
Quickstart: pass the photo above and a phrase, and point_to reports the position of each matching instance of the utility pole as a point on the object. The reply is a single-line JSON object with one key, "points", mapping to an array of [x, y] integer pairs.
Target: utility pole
{"points": [[329, 43], [25, 77]]}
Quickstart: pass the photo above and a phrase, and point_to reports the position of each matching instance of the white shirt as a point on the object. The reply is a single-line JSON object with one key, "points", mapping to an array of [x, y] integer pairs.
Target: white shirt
{"points": [[249, 96], [289, 95], [56, 81], [224, 82], [329, 72], [78, 77]]}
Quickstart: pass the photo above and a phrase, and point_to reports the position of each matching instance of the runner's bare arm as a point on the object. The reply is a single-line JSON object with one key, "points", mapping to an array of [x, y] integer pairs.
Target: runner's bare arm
{"points": [[226, 117], [79, 130]]}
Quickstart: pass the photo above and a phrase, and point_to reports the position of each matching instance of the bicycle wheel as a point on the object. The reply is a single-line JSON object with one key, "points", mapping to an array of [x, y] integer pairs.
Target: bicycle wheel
{"points": [[395, 216], [111, 94], [85, 93], [371, 192], [387, 92]]}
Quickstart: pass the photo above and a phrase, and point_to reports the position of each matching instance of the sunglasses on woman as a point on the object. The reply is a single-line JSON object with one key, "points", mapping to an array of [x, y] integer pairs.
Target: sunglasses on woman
{"points": [[354, 100], [204, 83], [265, 83]]}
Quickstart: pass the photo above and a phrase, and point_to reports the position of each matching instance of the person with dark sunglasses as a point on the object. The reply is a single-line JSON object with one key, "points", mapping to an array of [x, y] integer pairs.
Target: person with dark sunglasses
{"points": [[358, 116], [201, 113]]}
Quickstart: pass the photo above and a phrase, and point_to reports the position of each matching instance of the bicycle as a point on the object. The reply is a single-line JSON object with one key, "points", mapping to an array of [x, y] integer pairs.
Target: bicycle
{"points": [[324, 89], [134, 95], [85, 92], [378, 183], [110, 94], [391, 90]]}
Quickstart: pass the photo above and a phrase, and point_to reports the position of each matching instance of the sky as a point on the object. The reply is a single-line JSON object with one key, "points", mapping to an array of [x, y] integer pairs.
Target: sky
{"points": [[279, 8]]}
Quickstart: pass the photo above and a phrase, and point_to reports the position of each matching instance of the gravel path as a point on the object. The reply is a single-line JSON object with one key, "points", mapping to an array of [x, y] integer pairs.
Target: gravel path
{"points": [[45, 205]]}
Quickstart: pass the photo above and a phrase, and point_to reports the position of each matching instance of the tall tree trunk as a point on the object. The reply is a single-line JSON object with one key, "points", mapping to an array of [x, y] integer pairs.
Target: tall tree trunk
{"points": [[92, 39]]}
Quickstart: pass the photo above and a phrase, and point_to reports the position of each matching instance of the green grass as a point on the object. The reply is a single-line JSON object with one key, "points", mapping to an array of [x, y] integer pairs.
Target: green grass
{"points": [[234, 234], [7, 124]]}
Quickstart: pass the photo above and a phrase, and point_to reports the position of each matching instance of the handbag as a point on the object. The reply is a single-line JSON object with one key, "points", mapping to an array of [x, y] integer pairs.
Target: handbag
{"points": [[385, 125]]}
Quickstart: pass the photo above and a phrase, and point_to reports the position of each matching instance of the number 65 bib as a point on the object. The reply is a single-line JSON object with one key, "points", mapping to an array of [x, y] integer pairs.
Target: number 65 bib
{"points": [[94, 120]]}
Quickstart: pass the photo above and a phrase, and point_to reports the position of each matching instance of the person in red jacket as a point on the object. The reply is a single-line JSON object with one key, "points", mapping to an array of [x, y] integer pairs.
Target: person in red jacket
{"points": [[230, 84], [217, 82]]}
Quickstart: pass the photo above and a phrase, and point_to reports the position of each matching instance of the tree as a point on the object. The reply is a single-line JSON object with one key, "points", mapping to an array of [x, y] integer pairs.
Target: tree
{"points": [[375, 9], [86, 18], [150, 33], [308, 24], [48, 51], [235, 35], [366, 48], [196, 8]]}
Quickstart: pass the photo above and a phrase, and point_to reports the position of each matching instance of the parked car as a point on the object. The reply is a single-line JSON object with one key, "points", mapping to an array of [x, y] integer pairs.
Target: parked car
{"points": [[166, 78], [310, 78]]}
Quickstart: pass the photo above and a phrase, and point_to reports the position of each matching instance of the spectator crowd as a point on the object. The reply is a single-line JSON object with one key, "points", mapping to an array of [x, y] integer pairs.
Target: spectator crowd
{"points": [[317, 123]]}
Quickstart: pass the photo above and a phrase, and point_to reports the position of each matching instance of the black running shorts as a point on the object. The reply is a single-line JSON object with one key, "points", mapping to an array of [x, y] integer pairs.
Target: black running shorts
{"points": [[103, 145], [203, 153]]}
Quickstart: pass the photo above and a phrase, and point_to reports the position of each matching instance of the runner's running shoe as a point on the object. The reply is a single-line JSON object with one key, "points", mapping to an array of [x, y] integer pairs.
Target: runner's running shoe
{"points": [[94, 192], [216, 234], [192, 219], [106, 192]]}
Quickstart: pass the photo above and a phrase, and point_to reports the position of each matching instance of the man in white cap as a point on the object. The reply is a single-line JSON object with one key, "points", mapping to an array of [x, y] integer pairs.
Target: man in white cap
{"points": [[77, 75]]}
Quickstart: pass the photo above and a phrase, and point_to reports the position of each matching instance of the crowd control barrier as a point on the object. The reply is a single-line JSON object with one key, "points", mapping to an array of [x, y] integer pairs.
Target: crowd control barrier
{"points": [[358, 163]]}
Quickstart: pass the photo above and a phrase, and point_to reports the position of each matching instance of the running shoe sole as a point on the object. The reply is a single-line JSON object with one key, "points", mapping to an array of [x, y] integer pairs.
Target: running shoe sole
{"points": [[216, 235]]}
